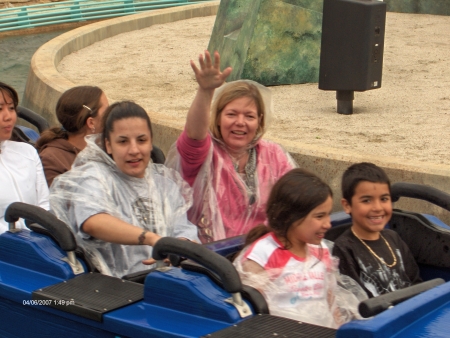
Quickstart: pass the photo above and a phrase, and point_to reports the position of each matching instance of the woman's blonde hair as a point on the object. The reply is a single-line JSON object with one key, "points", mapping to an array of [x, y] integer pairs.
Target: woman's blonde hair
{"points": [[230, 92]]}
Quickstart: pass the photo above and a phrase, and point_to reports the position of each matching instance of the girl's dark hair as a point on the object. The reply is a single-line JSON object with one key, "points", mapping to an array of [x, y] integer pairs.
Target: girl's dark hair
{"points": [[72, 113], [4, 88], [255, 233], [292, 198], [119, 111]]}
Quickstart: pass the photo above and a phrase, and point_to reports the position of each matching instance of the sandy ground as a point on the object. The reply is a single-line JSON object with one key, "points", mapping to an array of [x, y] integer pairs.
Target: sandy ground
{"points": [[408, 118]]}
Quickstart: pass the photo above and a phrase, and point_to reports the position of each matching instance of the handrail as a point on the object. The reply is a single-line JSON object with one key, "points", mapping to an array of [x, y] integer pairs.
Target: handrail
{"points": [[78, 10]]}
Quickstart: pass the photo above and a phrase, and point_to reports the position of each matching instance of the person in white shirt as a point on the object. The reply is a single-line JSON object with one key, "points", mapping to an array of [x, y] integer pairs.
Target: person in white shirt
{"points": [[21, 175]]}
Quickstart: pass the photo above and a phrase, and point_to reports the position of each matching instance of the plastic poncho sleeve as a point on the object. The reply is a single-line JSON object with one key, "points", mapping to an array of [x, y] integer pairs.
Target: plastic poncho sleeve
{"points": [[193, 154]]}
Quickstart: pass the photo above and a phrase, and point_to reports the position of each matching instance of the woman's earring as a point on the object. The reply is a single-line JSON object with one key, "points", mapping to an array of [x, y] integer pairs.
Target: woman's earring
{"points": [[93, 130]]}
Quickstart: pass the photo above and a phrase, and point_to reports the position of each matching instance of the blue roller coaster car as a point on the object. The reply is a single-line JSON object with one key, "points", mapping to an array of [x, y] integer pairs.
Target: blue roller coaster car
{"points": [[48, 288]]}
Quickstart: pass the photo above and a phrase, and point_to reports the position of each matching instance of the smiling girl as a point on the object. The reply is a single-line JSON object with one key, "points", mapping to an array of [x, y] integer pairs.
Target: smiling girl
{"points": [[221, 153], [289, 261], [116, 201]]}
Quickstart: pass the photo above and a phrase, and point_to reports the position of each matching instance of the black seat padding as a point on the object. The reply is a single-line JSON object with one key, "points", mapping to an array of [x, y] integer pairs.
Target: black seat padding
{"points": [[333, 233], [157, 155], [429, 243], [31, 117]]}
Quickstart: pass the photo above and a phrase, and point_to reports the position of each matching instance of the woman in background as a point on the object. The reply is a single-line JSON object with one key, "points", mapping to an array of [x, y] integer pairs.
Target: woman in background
{"points": [[79, 110]]}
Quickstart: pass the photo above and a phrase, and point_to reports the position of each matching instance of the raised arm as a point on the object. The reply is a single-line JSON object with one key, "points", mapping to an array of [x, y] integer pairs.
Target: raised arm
{"points": [[209, 77]]}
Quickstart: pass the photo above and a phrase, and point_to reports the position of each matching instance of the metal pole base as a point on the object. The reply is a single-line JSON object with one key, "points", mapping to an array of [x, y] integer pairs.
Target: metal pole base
{"points": [[345, 101]]}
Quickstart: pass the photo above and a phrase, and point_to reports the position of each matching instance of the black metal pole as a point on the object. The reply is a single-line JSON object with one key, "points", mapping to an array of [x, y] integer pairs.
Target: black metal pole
{"points": [[345, 101]]}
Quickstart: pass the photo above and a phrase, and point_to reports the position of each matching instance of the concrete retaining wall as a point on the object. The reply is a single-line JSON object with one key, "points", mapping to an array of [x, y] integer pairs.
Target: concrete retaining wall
{"points": [[44, 81]]}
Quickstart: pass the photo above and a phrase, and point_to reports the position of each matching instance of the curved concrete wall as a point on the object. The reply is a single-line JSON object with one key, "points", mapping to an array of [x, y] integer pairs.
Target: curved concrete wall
{"points": [[44, 81]]}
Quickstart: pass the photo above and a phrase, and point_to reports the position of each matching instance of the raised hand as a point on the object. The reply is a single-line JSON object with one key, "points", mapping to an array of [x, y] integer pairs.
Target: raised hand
{"points": [[209, 75]]}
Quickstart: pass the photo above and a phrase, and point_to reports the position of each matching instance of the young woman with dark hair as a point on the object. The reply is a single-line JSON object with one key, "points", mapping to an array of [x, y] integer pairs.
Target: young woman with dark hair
{"points": [[116, 201]]}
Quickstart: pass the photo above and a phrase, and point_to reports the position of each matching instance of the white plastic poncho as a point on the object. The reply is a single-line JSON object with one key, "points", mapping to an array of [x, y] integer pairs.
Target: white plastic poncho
{"points": [[228, 204], [158, 202], [309, 290]]}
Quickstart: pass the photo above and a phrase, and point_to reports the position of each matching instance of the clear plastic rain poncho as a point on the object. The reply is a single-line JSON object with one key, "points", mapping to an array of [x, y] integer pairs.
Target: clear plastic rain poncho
{"points": [[158, 203], [310, 290], [227, 203]]}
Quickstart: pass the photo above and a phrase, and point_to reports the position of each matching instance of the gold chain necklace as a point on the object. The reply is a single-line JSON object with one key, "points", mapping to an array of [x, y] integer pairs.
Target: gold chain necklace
{"points": [[376, 256]]}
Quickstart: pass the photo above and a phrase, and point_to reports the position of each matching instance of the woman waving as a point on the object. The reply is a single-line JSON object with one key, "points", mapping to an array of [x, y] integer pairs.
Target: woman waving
{"points": [[221, 153]]}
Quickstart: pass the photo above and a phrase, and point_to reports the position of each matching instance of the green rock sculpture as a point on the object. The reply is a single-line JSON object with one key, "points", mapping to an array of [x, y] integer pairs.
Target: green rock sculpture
{"points": [[277, 42], [272, 42]]}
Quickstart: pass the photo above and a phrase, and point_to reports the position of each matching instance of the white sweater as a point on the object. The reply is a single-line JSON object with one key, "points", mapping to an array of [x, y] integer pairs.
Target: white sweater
{"points": [[21, 179]]}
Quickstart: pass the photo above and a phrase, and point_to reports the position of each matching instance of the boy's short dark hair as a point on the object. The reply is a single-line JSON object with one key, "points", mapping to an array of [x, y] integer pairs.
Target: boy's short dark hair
{"points": [[359, 172]]}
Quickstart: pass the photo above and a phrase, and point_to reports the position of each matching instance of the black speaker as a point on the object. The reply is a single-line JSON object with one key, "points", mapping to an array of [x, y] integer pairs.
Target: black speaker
{"points": [[351, 56]]}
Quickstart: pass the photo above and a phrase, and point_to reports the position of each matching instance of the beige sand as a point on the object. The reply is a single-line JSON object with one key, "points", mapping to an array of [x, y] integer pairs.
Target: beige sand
{"points": [[408, 118]]}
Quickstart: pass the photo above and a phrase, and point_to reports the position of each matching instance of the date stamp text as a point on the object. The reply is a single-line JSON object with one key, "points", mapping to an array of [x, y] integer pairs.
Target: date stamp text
{"points": [[48, 302]]}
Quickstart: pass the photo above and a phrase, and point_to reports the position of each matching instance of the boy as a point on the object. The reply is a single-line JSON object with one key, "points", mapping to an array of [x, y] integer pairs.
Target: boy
{"points": [[375, 257]]}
